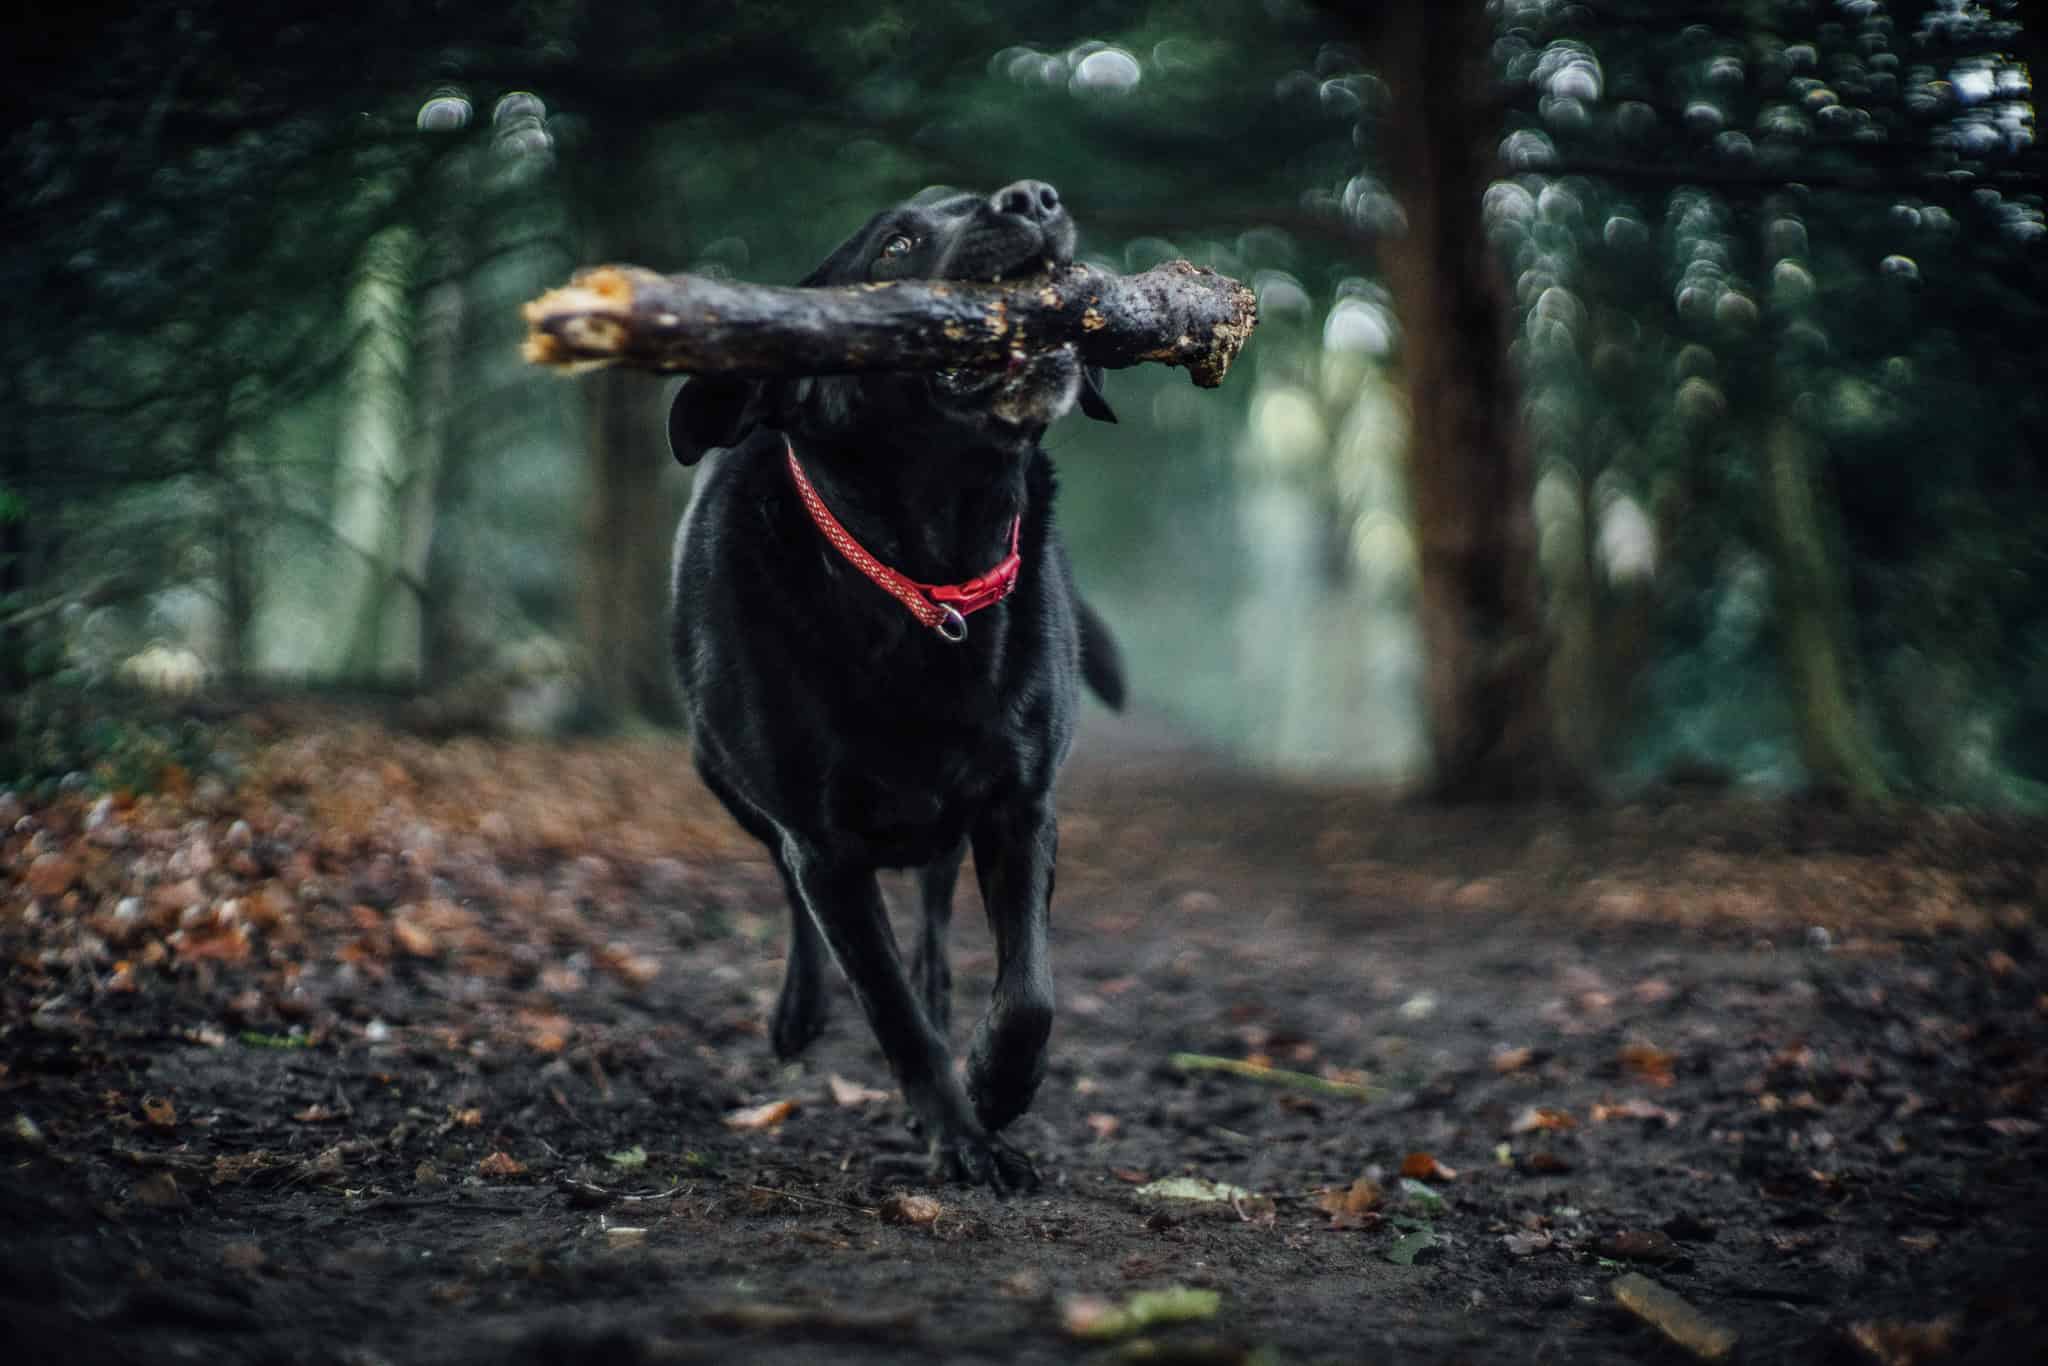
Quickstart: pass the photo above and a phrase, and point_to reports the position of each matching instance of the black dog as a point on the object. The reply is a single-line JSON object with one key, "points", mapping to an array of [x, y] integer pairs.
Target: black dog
{"points": [[852, 715]]}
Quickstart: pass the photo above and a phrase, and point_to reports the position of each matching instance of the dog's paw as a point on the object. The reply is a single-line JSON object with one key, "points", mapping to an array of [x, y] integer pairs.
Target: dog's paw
{"points": [[799, 1017], [984, 1162]]}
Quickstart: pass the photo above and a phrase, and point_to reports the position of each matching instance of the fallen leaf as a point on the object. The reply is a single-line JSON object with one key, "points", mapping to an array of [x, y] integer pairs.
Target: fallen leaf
{"points": [[850, 1093], [910, 1209], [468, 1119], [1104, 1125], [1098, 1319], [416, 939], [1360, 1196], [314, 1114], [1352, 1207], [1191, 1188], [501, 1164], [1130, 1175], [756, 1117], [1543, 1118], [1633, 1108], [159, 1190], [1654, 1065], [1424, 1167], [1895, 1342], [159, 1112], [1409, 1246], [1513, 1059], [1091, 1316], [1415, 1195], [547, 1033], [2013, 1127], [51, 875], [1526, 1243]]}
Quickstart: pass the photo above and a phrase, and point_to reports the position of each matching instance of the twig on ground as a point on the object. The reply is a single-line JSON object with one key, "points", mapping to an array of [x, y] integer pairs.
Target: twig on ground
{"points": [[1673, 1317], [815, 1200], [1274, 1076]]}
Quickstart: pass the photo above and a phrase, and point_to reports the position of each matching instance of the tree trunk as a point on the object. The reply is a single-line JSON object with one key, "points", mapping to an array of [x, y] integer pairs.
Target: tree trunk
{"points": [[373, 466], [628, 510], [1481, 601], [232, 531], [1838, 755], [439, 352]]}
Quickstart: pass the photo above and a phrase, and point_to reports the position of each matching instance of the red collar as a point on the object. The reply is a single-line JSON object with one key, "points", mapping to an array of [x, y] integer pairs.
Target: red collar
{"points": [[942, 607]]}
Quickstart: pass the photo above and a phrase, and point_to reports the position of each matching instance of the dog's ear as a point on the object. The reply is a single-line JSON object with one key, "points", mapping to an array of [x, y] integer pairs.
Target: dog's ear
{"points": [[708, 411], [1092, 401]]}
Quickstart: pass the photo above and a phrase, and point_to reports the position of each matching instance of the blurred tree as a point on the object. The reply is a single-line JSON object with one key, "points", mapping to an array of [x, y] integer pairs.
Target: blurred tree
{"points": [[1482, 610]]}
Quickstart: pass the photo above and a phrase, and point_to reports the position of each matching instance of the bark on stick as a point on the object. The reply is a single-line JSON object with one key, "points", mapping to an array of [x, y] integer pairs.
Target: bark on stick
{"points": [[1174, 314]]}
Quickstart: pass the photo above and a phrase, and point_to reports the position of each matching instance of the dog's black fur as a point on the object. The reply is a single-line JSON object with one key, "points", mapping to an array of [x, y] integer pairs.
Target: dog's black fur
{"points": [[848, 737]]}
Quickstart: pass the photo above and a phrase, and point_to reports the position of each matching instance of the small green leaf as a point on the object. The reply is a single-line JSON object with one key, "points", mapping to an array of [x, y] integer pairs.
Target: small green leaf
{"points": [[256, 1038], [1413, 1192], [632, 1159], [1410, 1246]]}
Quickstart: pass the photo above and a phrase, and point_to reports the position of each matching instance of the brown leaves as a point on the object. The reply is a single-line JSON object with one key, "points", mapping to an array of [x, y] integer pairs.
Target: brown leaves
{"points": [[902, 1208], [1648, 1063], [1509, 1060], [1542, 1119], [1424, 1167], [51, 875], [1633, 1108], [1353, 1206], [159, 1112], [757, 1117], [1898, 1342], [501, 1164]]}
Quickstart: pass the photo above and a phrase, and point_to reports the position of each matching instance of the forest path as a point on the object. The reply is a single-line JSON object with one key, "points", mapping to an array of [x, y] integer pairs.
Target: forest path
{"points": [[474, 1070]]}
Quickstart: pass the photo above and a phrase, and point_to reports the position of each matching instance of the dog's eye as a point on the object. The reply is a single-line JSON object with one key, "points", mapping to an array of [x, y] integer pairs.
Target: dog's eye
{"points": [[897, 245]]}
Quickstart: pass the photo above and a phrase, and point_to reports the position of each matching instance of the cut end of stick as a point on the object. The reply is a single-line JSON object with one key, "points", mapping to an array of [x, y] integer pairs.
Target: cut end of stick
{"points": [[583, 320]]}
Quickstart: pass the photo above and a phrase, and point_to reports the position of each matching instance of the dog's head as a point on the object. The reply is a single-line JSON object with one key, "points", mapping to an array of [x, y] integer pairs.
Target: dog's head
{"points": [[1019, 230]]}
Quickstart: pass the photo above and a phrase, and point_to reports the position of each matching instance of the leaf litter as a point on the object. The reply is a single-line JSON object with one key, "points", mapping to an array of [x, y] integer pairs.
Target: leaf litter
{"points": [[465, 975]]}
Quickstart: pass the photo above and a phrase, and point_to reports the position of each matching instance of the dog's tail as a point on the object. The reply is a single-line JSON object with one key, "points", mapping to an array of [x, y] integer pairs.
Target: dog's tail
{"points": [[1102, 663]]}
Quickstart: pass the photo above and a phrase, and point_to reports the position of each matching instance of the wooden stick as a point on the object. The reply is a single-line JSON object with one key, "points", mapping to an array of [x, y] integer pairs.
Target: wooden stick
{"points": [[1173, 314]]}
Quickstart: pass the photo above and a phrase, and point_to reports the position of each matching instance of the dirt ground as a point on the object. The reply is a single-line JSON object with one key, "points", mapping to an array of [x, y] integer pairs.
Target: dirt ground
{"points": [[348, 1046]]}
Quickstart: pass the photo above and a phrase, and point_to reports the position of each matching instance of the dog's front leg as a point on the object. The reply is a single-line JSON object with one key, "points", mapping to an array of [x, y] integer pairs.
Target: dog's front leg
{"points": [[800, 1009], [1015, 846], [847, 908]]}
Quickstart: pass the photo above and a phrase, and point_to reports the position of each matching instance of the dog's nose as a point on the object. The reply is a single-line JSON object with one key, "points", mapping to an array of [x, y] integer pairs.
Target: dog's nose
{"points": [[1032, 199]]}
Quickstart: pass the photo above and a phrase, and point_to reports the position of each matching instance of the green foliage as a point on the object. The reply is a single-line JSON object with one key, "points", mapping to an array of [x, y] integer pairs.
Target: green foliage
{"points": [[117, 740], [1708, 218]]}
